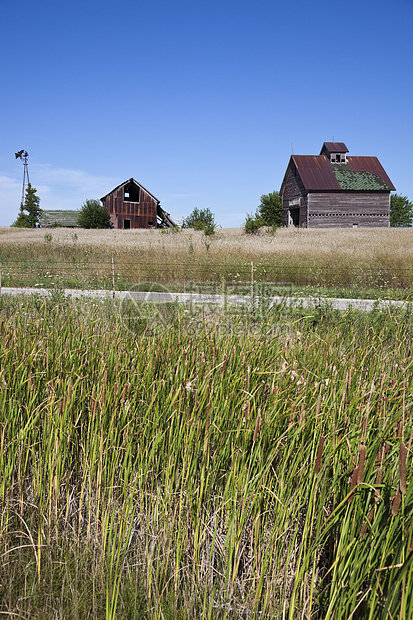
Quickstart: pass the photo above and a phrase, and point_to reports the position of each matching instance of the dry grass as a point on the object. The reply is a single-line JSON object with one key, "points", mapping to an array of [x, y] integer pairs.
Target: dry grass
{"points": [[338, 257], [386, 246]]}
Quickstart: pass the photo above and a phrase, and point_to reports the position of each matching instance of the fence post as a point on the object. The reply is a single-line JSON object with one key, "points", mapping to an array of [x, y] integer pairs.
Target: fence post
{"points": [[113, 278]]}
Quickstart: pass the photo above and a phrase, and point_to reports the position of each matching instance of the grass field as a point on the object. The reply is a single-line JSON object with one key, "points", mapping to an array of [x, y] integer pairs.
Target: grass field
{"points": [[181, 467], [362, 262]]}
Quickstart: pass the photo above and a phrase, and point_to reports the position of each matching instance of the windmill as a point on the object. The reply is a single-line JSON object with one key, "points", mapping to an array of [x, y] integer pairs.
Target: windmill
{"points": [[23, 156]]}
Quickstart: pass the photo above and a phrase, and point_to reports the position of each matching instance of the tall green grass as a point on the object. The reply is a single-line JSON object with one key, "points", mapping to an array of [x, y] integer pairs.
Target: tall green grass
{"points": [[228, 466]]}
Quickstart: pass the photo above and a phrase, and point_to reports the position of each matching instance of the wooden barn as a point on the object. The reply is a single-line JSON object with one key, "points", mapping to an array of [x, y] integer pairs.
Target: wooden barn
{"points": [[334, 189], [130, 205], [61, 219]]}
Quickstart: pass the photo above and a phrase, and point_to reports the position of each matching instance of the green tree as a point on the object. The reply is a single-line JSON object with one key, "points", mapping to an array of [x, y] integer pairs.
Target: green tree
{"points": [[30, 212], [201, 219], [401, 211], [270, 208], [93, 215], [268, 213], [22, 220]]}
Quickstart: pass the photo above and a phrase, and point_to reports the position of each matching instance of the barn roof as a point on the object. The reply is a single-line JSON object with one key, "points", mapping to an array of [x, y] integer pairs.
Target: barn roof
{"points": [[334, 147], [369, 178], [317, 173], [64, 219], [131, 180]]}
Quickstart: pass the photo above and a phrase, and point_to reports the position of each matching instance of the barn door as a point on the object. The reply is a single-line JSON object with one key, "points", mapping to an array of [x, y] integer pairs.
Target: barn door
{"points": [[294, 217]]}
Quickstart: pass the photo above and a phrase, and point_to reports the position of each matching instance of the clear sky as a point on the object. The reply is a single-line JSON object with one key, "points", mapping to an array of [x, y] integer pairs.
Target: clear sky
{"points": [[202, 102]]}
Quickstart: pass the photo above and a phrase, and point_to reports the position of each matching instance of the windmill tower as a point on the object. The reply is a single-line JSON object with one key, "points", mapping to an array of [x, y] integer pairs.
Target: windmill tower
{"points": [[23, 156]]}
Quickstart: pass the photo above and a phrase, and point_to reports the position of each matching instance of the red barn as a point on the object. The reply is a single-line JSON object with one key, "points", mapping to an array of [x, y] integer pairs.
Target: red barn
{"points": [[335, 190], [130, 205]]}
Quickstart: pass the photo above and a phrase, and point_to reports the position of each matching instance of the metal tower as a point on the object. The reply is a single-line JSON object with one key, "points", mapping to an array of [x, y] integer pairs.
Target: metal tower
{"points": [[23, 156]]}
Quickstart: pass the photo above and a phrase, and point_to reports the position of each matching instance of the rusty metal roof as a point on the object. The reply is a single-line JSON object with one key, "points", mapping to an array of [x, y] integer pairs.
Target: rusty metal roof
{"points": [[316, 172], [334, 147], [359, 174], [372, 165], [359, 180]]}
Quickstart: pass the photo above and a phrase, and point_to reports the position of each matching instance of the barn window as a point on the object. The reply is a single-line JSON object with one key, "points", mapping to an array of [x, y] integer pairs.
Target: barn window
{"points": [[131, 193], [338, 158], [126, 224]]}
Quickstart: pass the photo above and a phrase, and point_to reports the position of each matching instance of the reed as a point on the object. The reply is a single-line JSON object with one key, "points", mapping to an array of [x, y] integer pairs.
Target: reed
{"points": [[199, 469], [319, 455], [402, 460]]}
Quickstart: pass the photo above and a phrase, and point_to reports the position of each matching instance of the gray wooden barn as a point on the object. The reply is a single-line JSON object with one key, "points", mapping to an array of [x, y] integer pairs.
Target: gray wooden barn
{"points": [[333, 189], [61, 219]]}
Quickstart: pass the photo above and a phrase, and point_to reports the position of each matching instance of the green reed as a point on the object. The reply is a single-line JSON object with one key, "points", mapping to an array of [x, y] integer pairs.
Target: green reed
{"points": [[219, 466]]}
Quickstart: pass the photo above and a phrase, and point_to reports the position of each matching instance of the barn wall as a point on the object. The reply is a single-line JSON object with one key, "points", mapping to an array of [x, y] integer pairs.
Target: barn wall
{"points": [[294, 196], [141, 214], [348, 209]]}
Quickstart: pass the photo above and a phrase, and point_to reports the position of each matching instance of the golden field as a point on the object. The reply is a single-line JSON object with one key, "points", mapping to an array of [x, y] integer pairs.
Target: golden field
{"points": [[383, 246], [331, 257]]}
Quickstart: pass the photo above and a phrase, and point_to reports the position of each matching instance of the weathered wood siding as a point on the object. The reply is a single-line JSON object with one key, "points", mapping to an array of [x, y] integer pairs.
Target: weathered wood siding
{"points": [[348, 209], [344, 209], [141, 214], [318, 192], [294, 197]]}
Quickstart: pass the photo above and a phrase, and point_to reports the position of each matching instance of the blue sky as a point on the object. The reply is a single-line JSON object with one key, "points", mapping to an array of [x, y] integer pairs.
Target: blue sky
{"points": [[201, 102]]}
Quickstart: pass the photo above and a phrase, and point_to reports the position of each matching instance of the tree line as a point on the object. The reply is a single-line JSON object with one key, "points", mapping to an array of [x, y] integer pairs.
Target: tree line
{"points": [[268, 213]]}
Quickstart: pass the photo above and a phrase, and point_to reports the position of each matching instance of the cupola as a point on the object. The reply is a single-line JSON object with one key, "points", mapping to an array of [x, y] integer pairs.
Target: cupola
{"points": [[336, 152]]}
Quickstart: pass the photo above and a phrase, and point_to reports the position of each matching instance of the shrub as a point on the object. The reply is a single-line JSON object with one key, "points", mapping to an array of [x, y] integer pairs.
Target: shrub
{"points": [[253, 223], [268, 213], [93, 215], [201, 219]]}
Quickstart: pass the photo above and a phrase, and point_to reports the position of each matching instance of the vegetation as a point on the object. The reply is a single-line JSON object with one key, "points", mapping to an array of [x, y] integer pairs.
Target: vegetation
{"points": [[270, 208], [93, 215], [162, 464], [253, 222], [30, 212], [345, 263], [268, 213], [201, 219], [401, 211]]}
